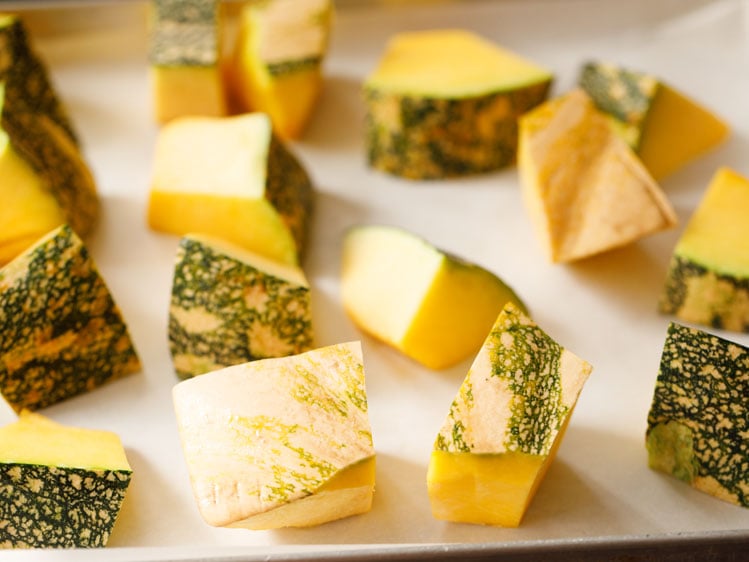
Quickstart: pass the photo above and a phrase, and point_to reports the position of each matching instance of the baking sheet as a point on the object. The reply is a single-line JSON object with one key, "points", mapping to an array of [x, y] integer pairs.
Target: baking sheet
{"points": [[603, 309]]}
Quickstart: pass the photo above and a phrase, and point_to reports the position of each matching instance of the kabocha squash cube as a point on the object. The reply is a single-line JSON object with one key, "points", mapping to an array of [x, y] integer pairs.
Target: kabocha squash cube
{"points": [[708, 276], [445, 103], [26, 78], [698, 424], [665, 128], [62, 333], [432, 306], [505, 424], [277, 63], [185, 59], [230, 306], [232, 179], [44, 180], [282, 442], [60, 486], [585, 190]]}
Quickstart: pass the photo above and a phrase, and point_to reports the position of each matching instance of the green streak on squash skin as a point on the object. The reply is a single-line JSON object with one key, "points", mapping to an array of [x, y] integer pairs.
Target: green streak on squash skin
{"points": [[63, 334], [58, 507], [698, 424], [184, 33]]}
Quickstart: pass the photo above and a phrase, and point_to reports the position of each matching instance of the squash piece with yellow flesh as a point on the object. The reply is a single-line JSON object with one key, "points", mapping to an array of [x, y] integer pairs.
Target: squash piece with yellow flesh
{"points": [[445, 103], [280, 442], [277, 64], [708, 275], [184, 54], [584, 188], [232, 179], [432, 306], [505, 425], [666, 129], [60, 486]]}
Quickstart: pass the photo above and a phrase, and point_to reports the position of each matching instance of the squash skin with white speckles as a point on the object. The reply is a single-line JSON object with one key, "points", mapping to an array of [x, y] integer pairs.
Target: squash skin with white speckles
{"points": [[504, 426], [698, 422], [279, 442], [59, 500], [63, 334], [230, 307]]}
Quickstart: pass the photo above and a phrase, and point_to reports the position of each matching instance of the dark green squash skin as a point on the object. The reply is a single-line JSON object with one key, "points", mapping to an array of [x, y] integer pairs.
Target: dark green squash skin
{"points": [[26, 77], [62, 333], [625, 95], [241, 301], [184, 33], [289, 189], [431, 138], [58, 507], [724, 305], [703, 386]]}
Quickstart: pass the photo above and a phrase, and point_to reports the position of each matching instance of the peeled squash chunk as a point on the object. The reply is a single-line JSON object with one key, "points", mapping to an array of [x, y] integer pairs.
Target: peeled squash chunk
{"points": [[445, 103], [708, 276], [282, 442], [60, 486], [432, 306], [665, 128], [505, 424], [230, 306], [62, 333], [698, 424], [231, 179], [277, 63], [184, 54], [585, 191]]}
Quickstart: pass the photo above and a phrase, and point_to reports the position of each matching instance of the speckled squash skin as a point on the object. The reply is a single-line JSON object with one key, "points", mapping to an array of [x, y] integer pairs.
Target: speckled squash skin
{"points": [[62, 333], [430, 138], [623, 94], [224, 312], [184, 33], [699, 418], [58, 507], [289, 189], [26, 77]]}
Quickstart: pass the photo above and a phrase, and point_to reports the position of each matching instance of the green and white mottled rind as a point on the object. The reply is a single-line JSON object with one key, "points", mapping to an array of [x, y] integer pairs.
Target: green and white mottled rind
{"points": [[62, 333], [184, 33], [518, 393], [624, 95], [26, 77], [432, 138], [53, 155], [226, 310], [698, 424], [696, 293], [58, 507], [263, 434]]}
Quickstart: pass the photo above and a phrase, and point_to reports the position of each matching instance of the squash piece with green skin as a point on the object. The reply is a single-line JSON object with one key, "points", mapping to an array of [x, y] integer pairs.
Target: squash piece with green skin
{"points": [[184, 54], [698, 423], [434, 307], [279, 442], [666, 129], [60, 486], [25, 75], [277, 65], [445, 103], [232, 179], [585, 190], [230, 306], [63, 335], [708, 276], [505, 424]]}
